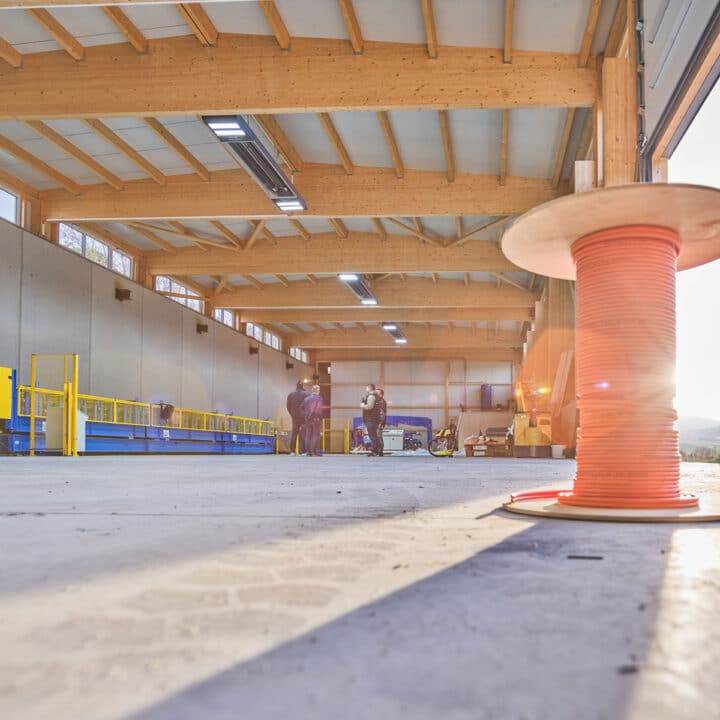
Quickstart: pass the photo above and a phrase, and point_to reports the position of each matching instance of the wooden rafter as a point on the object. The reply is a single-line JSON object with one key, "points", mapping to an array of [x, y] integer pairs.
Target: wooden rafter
{"points": [[252, 281], [280, 140], [199, 22], [177, 147], [231, 236], [36, 164], [419, 234], [312, 278], [66, 146], [380, 228], [129, 152], [507, 46], [480, 228], [585, 145], [282, 280], [222, 283], [154, 239], [466, 278], [265, 232], [509, 281], [589, 34], [434, 277], [430, 32], [447, 145], [560, 161], [61, 36], [458, 228], [183, 232], [276, 23], [300, 228], [618, 30], [352, 26], [9, 182], [417, 223], [150, 85], [255, 234], [10, 55], [339, 227], [387, 130], [123, 23], [336, 142], [504, 145]]}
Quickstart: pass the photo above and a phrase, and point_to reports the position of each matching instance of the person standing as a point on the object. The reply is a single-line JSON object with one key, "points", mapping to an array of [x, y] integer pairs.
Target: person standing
{"points": [[293, 404], [312, 410], [371, 416], [382, 412]]}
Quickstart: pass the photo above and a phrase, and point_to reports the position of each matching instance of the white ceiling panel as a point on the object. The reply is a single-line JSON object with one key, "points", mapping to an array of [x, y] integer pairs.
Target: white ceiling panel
{"points": [[123, 123], [602, 29], [473, 24], [156, 21], [476, 137], [43, 149], [188, 130], [267, 279], [313, 18], [419, 140], [76, 171], [403, 25], [533, 141], [552, 25], [281, 227], [130, 235], [309, 138], [244, 18], [204, 280], [26, 174], [363, 138], [359, 224], [482, 277], [439, 226], [21, 31], [238, 280], [16, 131], [89, 25]]}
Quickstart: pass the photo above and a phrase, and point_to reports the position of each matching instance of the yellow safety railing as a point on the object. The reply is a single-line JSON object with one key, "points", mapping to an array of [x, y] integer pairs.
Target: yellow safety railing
{"points": [[126, 412]]}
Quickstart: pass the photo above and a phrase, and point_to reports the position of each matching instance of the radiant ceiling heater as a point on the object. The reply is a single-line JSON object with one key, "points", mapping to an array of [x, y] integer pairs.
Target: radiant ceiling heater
{"points": [[255, 158], [359, 285]]}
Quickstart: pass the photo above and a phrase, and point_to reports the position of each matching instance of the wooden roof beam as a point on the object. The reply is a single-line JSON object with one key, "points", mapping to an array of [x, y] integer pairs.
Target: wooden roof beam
{"points": [[475, 231], [154, 239], [562, 152], [412, 229], [230, 236], [61, 36], [370, 192], [589, 34], [300, 228], [504, 146], [255, 234], [276, 23], [123, 23], [252, 281], [177, 229], [447, 145], [264, 232], [177, 147], [199, 22], [430, 31], [393, 77], [282, 280], [352, 26], [73, 151], [387, 130], [36, 164], [379, 314], [280, 140], [336, 142], [507, 46], [10, 55], [380, 228], [507, 280], [14, 185], [340, 228], [128, 151], [458, 228]]}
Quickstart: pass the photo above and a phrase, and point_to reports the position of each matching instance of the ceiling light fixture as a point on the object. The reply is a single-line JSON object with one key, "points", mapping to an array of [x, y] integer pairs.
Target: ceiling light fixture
{"points": [[389, 326], [395, 332], [349, 277], [234, 132], [360, 286], [369, 301]]}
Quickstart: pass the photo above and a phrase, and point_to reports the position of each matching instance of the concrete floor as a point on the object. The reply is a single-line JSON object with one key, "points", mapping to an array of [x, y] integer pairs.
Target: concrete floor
{"points": [[343, 587]]}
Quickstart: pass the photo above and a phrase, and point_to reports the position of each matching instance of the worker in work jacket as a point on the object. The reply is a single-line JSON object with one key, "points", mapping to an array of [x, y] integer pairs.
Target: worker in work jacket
{"points": [[312, 410], [293, 404], [371, 416], [382, 412]]}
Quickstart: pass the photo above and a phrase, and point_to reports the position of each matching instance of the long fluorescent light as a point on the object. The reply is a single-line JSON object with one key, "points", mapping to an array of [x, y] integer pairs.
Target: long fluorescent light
{"points": [[369, 301], [389, 326], [349, 277], [401, 341]]}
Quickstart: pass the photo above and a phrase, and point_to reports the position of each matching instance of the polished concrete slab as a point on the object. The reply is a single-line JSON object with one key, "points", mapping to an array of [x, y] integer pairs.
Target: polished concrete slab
{"points": [[353, 587]]}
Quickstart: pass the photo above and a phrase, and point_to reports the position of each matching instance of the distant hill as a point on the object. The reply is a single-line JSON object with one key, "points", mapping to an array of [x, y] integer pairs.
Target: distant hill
{"points": [[699, 430]]}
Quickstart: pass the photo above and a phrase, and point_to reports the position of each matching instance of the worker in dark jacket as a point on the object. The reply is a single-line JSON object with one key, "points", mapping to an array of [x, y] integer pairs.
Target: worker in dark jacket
{"points": [[294, 402], [371, 416], [312, 410], [382, 405]]}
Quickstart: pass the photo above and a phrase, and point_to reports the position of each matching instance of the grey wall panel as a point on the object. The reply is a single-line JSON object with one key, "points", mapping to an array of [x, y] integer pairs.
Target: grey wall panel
{"points": [[360, 372], [198, 352], [56, 300], [414, 371], [276, 381], [235, 374], [161, 379], [348, 395], [415, 394], [10, 274], [115, 337], [488, 372]]}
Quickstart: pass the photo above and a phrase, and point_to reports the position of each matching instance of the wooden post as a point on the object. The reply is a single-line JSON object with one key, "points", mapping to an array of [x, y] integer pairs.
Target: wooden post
{"points": [[619, 121]]}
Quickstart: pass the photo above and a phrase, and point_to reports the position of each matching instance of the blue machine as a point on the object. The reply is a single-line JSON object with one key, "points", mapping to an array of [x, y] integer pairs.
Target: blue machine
{"points": [[109, 437]]}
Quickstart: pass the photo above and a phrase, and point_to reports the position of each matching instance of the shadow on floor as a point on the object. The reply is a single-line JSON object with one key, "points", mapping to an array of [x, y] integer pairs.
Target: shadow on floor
{"points": [[517, 631]]}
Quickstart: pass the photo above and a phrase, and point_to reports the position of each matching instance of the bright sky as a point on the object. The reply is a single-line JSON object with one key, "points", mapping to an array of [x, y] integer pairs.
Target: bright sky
{"points": [[697, 161]]}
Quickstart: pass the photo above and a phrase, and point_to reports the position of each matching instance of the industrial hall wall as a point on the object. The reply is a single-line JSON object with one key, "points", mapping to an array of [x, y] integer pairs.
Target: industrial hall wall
{"points": [[146, 348]]}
